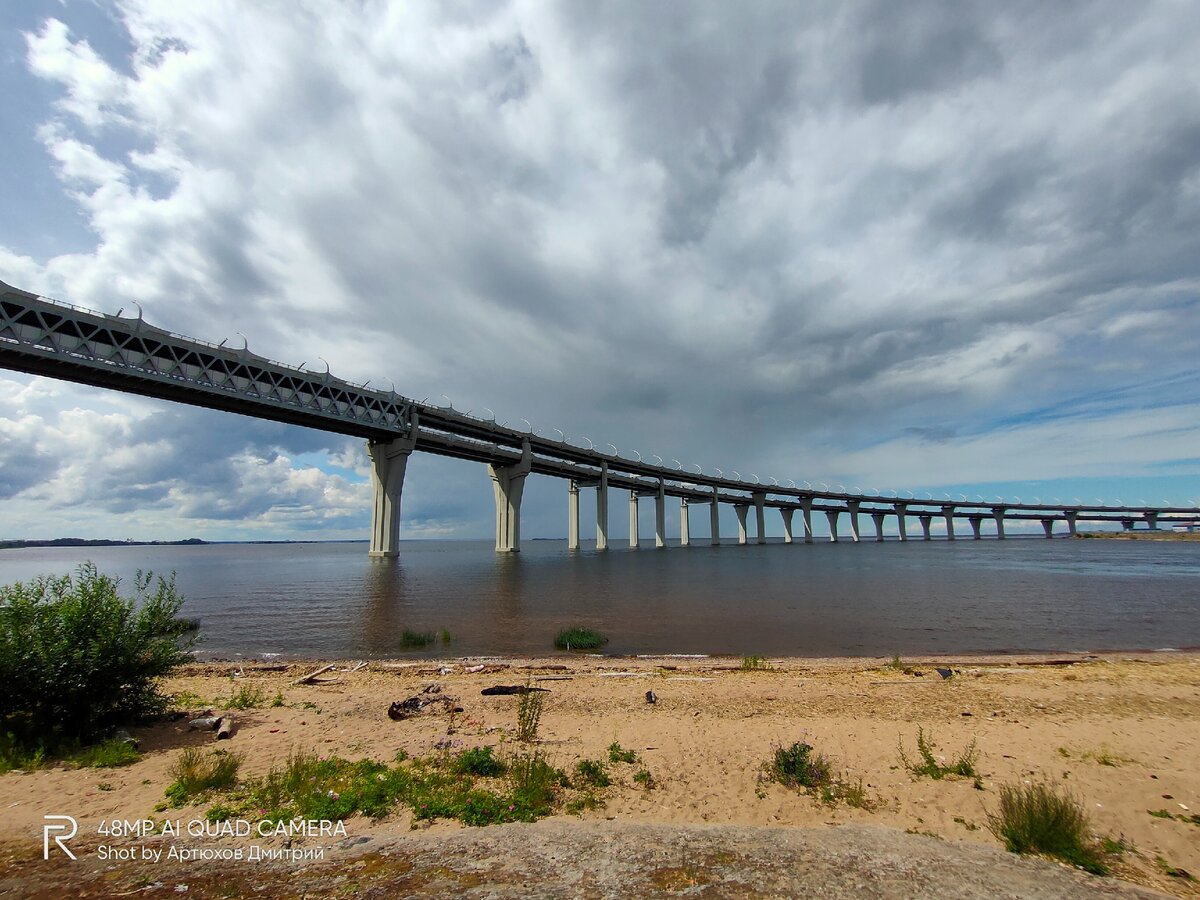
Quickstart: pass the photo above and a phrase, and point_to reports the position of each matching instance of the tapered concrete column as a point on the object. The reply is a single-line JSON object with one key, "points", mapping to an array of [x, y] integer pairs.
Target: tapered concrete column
{"points": [[1127, 524], [832, 516], [1072, 519], [948, 512], [901, 519], [1152, 521], [853, 505], [976, 523], [786, 514], [1048, 527], [389, 460], [741, 509], [602, 508], [660, 516], [760, 525], [806, 508], [714, 519], [877, 517], [925, 522], [685, 527], [998, 515], [633, 520], [508, 483], [573, 515]]}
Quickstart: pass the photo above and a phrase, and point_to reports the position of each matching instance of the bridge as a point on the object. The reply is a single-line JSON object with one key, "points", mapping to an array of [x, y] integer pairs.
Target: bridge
{"points": [[59, 340]]}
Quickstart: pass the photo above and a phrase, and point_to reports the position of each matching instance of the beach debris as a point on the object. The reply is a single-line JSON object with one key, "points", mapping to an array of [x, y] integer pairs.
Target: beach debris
{"points": [[359, 667], [406, 709], [204, 723], [125, 738], [503, 690], [432, 688], [966, 712], [651, 697], [945, 673], [225, 728], [471, 670], [311, 675]]}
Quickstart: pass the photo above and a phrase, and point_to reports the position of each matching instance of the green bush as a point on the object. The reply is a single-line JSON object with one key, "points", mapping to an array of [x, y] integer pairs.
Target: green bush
{"points": [[195, 773], [928, 765], [478, 761], [799, 766], [1037, 818], [77, 657]]}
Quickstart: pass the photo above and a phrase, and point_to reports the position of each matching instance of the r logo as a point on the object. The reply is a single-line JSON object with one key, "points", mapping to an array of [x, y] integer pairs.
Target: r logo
{"points": [[62, 823]]}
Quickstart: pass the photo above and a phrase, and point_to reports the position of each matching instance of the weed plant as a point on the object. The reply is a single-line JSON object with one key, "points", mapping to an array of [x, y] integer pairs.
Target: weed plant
{"points": [[579, 638], [928, 765], [618, 754], [412, 639], [106, 755], [800, 766], [755, 664], [1039, 818], [479, 761], [248, 696], [529, 715], [591, 773], [195, 773]]}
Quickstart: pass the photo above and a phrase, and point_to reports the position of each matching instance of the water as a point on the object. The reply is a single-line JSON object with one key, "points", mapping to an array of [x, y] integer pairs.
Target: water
{"points": [[330, 600]]}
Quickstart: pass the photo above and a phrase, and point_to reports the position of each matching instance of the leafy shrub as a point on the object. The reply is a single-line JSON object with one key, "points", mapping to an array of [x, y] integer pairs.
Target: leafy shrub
{"points": [[195, 772], [643, 778], [799, 766], [1037, 818], [77, 658], [579, 638], [963, 764], [617, 754], [592, 772]]}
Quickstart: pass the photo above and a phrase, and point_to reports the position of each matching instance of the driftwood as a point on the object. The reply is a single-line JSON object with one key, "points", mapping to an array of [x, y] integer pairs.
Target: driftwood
{"points": [[225, 729], [406, 709], [502, 690], [204, 723], [361, 665], [311, 675]]}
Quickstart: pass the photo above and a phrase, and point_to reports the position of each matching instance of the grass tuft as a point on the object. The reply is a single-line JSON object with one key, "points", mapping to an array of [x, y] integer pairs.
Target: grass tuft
{"points": [[755, 664], [591, 773], [195, 772], [1039, 818], [416, 638], [579, 638], [799, 766], [248, 696], [478, 761], [107, 755], [529, 715]]}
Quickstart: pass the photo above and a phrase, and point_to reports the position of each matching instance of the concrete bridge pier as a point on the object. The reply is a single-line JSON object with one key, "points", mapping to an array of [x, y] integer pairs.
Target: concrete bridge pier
{"points": [[1152, 521], [901, 520], [573, 515], [925, 523], [832, 516], [741, 509], [685, 527], [877, 517], [998, 514], [948, 512], [760, 525], [508, 483], [1048, 527], [602, 508], [660, 516], [786, 513], [633, 520], [853, 506], [389, 460], [976, 525], [714, 520], [1072, 520], [806, 508]]}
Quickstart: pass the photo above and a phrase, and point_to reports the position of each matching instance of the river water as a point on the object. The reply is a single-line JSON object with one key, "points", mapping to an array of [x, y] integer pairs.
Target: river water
{"points": [[824, 599]]}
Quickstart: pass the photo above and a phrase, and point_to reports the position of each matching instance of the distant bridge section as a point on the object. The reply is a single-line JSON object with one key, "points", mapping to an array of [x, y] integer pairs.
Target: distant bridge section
{"points": [[45, 337]]}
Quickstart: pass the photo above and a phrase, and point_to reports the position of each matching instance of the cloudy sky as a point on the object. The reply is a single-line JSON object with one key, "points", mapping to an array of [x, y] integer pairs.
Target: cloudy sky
{"points": [[951, 247]]}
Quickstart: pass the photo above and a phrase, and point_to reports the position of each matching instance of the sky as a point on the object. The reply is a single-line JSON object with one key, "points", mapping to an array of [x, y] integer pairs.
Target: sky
{"points": [[932, 247]]}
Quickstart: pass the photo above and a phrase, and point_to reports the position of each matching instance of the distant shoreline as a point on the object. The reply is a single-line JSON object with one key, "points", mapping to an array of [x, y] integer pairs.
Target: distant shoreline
{"points": [[1141, 535]]}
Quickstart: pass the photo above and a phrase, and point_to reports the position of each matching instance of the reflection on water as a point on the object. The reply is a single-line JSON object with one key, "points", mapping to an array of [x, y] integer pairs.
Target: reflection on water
{"points": [[871, 599]]}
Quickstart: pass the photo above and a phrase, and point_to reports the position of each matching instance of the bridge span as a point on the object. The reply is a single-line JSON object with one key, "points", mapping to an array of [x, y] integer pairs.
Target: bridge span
{"points": [[46, 337]]}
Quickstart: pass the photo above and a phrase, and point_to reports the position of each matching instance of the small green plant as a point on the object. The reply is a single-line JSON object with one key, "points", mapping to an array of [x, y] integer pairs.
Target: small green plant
{"points": [[579, 638], [533, 785], [1040, 818], [1173, 871], [277, 700], [852, 793], [415, 638], [106, 755], [754, 664], [186, 700], [478, 761], [799, 766], [895, 663], [1109, 847], [928, 765], [1160, 813], [617, 754], [220, 812], [529, 714], [586, 800], [644, 779], [966, 823], [195, 772], [592, 773], [446, 636], [248, 696], [104, 786]]}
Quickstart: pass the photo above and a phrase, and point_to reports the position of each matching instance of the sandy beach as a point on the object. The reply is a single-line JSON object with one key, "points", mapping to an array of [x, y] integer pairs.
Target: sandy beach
{"points": [[1121, 731]]}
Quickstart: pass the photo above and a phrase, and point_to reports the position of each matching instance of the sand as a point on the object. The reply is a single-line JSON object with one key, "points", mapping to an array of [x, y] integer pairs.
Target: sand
{"points": [[1121, 731]]}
